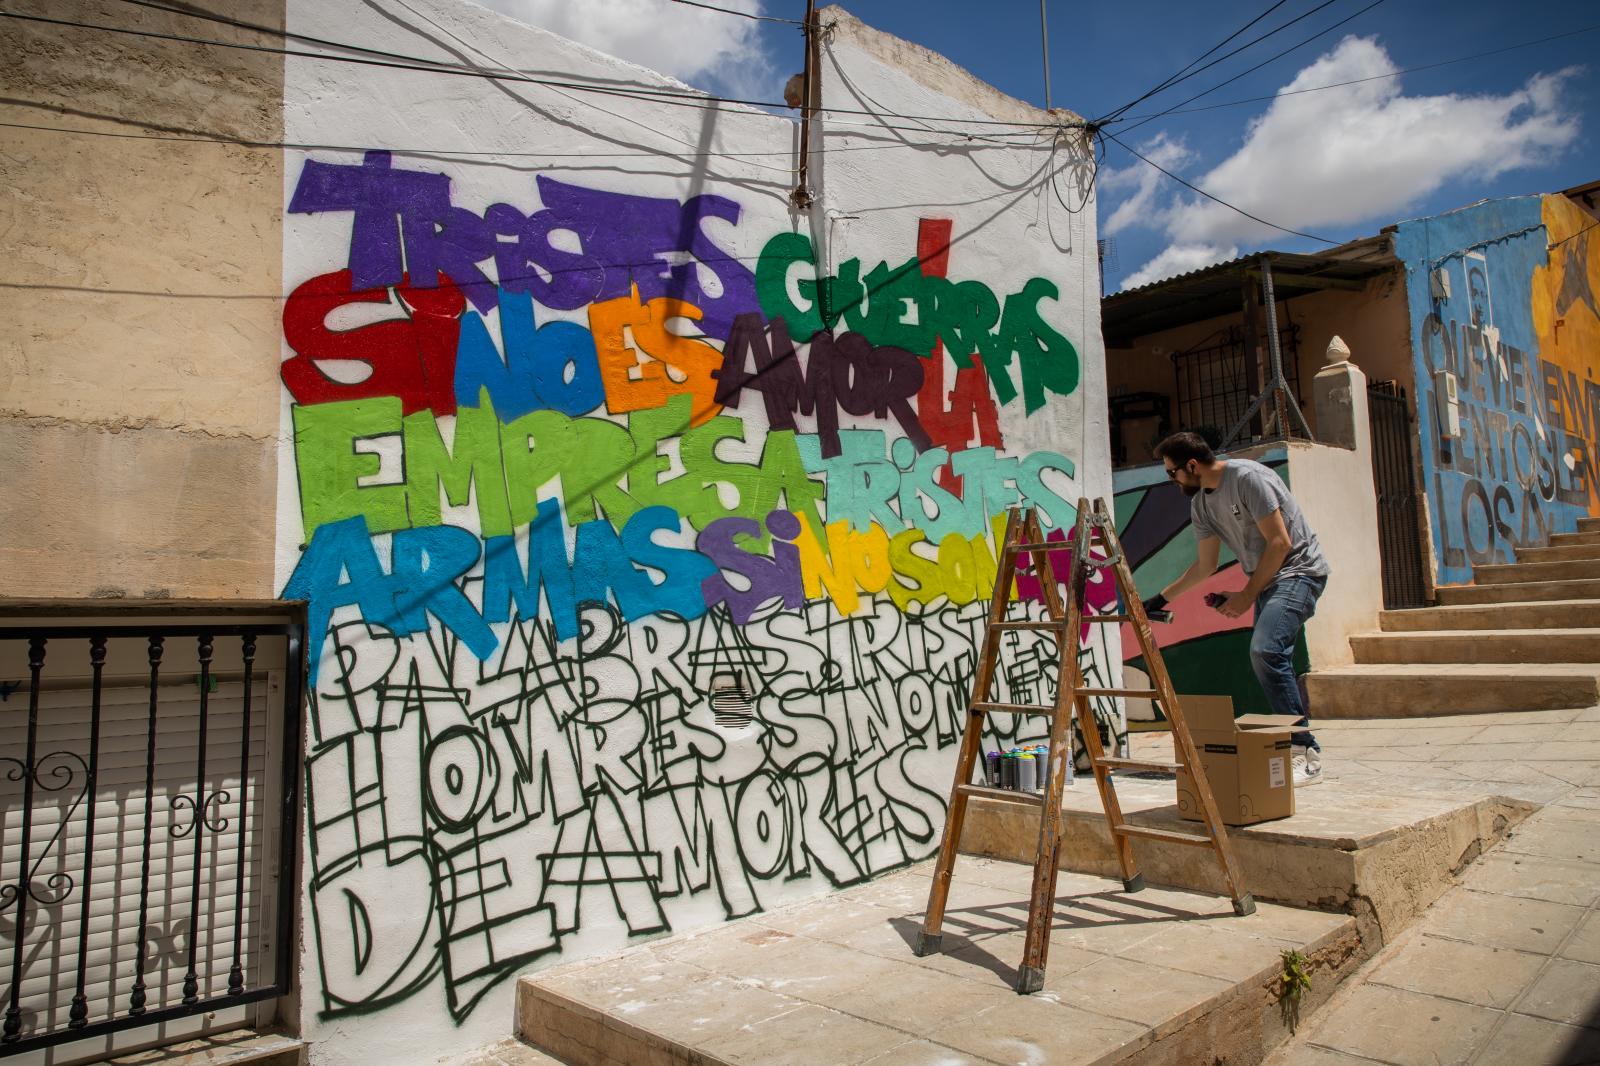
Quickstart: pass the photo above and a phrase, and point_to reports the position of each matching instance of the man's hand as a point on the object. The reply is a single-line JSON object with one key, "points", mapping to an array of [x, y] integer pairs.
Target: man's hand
{"points": [[1237, 604], [1155, 609]]}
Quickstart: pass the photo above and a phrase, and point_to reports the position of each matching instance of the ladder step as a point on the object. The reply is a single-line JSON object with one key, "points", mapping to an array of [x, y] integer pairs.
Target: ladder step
{"points": [[1162, 834], [1145, 693], [1140, 764], [1005, 795], [1049, 623], [1047, 546], [985, 707]]}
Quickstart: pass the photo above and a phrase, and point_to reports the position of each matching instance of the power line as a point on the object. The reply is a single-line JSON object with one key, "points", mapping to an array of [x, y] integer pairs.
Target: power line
{"points": [[1258, 66], [741, 14], [401, 61], [244, 142], [1171, 80], [1358, 81], [1252, 43], [1217, 199], [1573, 237]]}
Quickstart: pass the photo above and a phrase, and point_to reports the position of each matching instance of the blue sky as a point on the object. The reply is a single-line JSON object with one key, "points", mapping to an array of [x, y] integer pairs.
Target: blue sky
{"points": [[1339, 163]]}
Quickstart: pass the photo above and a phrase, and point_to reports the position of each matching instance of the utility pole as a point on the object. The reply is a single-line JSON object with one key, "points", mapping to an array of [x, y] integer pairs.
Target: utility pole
{"points": [[802, 197], [1044, 43]]}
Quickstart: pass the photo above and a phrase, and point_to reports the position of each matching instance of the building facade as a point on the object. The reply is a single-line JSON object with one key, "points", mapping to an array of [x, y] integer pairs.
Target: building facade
{"points": [[644, 505]]}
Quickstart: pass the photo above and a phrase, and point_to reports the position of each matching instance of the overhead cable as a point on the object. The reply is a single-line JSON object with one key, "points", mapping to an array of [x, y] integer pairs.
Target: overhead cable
{"points": [[1572, 237], [741, 14], [1172, 79], [400, 61], [304, 146], [1258, 66], [1217, 199], [1359, 81]]}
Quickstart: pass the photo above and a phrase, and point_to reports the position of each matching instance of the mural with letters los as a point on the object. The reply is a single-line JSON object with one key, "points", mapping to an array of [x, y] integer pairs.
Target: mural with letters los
{"points": [[646, 576], [1504, 316]]}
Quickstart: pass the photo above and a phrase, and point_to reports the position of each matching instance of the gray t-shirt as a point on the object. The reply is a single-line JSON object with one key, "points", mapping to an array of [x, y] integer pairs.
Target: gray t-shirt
{"points": [[1248, 493]]}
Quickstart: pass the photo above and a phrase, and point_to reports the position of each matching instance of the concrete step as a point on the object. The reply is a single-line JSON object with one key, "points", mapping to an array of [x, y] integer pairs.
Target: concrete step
{"points": [[1479, 646], [219, 1049], [1575, 538], [1519, 592], [1589, 525], [1560, 553], [1384, 858], [1570, 570], [1541, 614], [1161, 976], [511, 1052], [1378, 690]]}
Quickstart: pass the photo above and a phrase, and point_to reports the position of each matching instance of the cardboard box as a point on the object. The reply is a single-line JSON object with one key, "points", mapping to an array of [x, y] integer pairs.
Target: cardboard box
{"points": [[1246, 760]]}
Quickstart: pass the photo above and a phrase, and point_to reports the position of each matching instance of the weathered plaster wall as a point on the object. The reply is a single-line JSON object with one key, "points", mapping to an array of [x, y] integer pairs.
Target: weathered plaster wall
{"points": [[1205, 653], [139, 316], [552, 476], [1517, 332]]}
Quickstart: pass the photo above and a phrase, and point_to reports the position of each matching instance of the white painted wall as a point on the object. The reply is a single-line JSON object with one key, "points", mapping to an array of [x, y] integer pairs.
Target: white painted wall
{"points": [[479, 812]]}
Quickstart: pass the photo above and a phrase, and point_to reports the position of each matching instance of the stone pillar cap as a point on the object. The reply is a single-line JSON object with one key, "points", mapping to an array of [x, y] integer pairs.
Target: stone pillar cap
{"points": [[1338, 351]]}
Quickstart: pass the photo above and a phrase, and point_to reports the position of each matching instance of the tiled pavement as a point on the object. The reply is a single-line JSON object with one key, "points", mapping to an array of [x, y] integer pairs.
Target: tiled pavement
{"points": [[1505, 969]]}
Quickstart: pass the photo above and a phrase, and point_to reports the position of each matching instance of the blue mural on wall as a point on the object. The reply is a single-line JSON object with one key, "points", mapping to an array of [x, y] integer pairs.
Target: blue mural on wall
{"points": [[1518, 468]]}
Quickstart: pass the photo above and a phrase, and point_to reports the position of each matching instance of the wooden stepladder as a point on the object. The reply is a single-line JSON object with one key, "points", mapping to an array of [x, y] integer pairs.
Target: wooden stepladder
{"points": [[1023, 537]]}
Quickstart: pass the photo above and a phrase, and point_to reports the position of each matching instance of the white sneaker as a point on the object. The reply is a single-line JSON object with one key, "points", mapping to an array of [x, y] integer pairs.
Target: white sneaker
{"points": [[1307, 767]]}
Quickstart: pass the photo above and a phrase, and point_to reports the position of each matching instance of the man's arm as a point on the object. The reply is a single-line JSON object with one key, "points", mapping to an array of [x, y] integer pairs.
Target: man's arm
{"points": [[1207, 551], [1277, 537]]}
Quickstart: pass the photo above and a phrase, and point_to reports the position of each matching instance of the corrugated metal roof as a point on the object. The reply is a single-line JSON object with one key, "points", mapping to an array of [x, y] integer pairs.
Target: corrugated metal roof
{"points": [[1215, 290]]}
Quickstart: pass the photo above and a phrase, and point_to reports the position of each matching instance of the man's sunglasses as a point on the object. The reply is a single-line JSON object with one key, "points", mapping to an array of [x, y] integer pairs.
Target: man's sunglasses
{"points": [[1172, 471]]}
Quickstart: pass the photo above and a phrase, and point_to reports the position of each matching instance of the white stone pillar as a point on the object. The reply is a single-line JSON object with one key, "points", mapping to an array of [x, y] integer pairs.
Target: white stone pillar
{"points": [[1339, 396]]}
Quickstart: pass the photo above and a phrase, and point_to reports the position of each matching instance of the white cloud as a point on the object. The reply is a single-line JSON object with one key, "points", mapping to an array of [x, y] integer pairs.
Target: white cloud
{"points": [[1140, 207], [696, 46], [1180, 259], [1360, 153]]}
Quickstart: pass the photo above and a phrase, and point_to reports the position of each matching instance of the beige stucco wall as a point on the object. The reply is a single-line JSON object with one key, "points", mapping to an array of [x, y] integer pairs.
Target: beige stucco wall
{"points": [[139, 315], [1343, 509], [1373, 322]]}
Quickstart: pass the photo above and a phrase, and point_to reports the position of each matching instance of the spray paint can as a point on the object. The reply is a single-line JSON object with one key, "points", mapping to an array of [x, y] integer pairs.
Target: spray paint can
{"points": [[1027, 772], [1042, 753], [991, 769], [1008, 771]]}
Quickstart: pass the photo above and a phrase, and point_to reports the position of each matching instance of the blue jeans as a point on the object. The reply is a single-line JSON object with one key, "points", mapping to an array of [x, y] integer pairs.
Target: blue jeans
{"points": [[1281, 613]]}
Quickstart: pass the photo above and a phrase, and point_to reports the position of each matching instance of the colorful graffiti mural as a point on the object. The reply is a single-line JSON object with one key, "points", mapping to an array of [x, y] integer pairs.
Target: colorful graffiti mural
{"points": [[1509, 326], [637, 575], [1206, 653]]}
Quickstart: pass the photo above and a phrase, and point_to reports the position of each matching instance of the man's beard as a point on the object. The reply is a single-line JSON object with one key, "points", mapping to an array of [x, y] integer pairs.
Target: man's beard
{"points": [[1189, 490]]}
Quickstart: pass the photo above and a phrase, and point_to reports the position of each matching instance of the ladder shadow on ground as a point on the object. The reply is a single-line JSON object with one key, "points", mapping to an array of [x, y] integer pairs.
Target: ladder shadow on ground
{"points": [[970, 931]]}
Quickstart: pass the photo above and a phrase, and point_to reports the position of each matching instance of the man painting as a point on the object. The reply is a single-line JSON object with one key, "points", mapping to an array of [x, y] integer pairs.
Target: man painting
{"points": [[1246, 506]]}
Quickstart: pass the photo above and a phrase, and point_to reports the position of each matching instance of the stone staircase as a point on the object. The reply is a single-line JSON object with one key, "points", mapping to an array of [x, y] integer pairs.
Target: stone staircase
{"points": [[1525, 637]]}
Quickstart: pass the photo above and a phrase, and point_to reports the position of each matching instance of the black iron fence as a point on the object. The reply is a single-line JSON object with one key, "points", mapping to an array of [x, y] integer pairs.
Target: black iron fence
{"points": [[1394, 480], [149, 784]]}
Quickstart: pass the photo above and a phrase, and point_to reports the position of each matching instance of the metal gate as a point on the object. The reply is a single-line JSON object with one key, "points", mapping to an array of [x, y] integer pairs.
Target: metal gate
{"points": [[148, 813], [1394, 479]]}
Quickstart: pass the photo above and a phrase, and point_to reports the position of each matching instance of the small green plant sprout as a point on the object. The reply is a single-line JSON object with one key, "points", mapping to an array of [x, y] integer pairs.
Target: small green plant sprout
{"points": [[1296, 983]]}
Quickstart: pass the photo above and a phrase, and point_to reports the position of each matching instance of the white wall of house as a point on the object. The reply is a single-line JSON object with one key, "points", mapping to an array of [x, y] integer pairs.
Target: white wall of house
{"points": [[501, 778]]}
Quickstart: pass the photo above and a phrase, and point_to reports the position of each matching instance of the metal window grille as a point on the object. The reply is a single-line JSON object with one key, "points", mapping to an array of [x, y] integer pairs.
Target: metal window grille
{"points": [[148, 799], [1213, 384]]}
